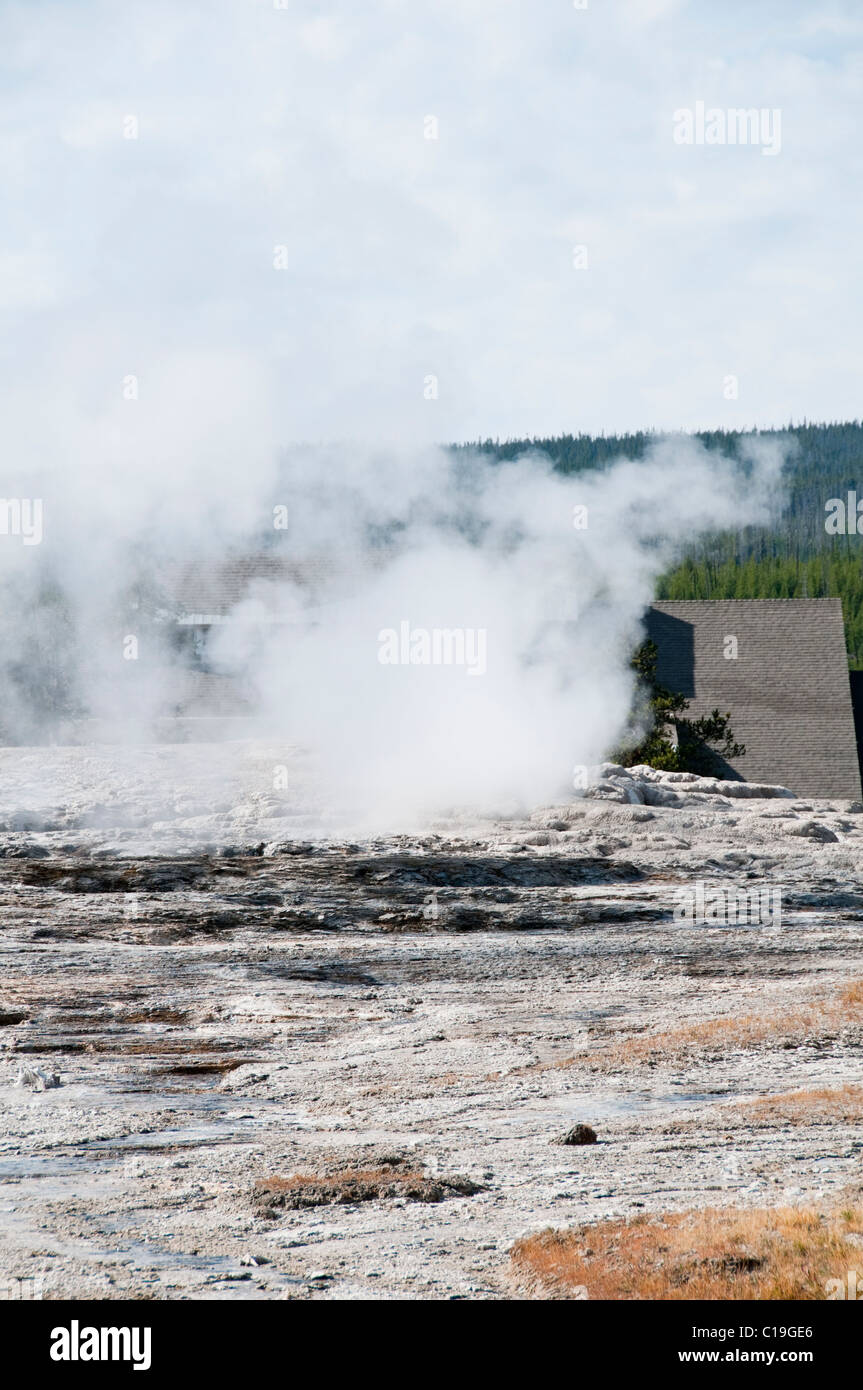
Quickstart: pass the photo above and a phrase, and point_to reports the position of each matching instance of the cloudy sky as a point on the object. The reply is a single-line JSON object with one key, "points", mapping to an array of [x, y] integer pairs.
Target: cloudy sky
{"points": [[240, 206]]}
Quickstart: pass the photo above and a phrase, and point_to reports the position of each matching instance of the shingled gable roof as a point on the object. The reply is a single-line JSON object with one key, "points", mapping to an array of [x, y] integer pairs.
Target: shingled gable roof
{"points": [[209, 590], [787, 690]]}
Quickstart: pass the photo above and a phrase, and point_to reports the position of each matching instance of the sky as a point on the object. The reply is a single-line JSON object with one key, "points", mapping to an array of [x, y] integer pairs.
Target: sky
{"points": [[357, 221]]}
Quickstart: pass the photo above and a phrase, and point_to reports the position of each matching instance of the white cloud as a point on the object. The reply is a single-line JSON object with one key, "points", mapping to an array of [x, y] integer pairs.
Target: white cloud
{"points": [[28, 281], [409, 256]]}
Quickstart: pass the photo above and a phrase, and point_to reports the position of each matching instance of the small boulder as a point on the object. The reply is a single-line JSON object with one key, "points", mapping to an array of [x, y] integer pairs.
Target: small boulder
{"points": [[35, 1079], [661, 796], [812, 830], [579, 1134]]}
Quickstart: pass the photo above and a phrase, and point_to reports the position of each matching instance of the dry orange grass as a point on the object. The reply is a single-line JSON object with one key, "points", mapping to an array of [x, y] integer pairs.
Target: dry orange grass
{"points": [[817, 1019], [834, 1103], [761, 1254]]}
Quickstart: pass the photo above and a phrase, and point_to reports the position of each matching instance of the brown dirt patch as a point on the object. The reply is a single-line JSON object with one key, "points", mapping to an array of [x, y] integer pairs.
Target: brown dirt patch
{"points": [[393, 1178]]}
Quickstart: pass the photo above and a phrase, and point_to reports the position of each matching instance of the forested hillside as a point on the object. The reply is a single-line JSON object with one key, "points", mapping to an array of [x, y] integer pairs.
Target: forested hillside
{"points": [[795, 558]]}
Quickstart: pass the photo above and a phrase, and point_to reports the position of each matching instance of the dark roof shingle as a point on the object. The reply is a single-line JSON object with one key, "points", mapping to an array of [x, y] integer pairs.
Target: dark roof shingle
{"points": [[787, 688]]}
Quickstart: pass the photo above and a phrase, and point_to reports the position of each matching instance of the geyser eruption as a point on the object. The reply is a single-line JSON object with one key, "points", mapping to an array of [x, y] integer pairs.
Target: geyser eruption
{"points": [[444, 632], [470, 637]]}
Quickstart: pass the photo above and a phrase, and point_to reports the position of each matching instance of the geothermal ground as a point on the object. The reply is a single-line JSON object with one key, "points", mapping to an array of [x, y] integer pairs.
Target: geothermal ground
{"points": [[293, 1064]]}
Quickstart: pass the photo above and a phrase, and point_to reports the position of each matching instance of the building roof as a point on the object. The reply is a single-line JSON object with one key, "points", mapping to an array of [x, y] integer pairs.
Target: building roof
{"points": [[787, 687], [204, 591]]}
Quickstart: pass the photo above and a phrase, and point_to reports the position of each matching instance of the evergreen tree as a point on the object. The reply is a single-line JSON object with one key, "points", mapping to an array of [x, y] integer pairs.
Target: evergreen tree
{"points": [[674, 742]]}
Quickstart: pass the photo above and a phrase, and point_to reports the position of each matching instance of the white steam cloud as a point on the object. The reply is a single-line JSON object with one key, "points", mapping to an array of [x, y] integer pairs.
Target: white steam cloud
{"points": [[487, 558], [447, 632]]}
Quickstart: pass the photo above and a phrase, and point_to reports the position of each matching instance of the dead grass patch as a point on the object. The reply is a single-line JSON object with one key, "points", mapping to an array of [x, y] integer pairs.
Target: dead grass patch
{"points": [[784, 1253], [806, 1107], [816, 1020], [393, 1178]]}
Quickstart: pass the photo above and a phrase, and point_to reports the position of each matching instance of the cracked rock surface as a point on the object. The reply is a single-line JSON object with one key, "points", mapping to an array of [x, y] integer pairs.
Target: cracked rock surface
{"points": [[233, 991]]}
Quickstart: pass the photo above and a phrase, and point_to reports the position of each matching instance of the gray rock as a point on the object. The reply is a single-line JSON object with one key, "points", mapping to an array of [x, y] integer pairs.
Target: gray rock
{"points": [[35, 1079], [661, 796], [811, 830], [579, 1134], [602, 771], [693, 788], [604, 791]]}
